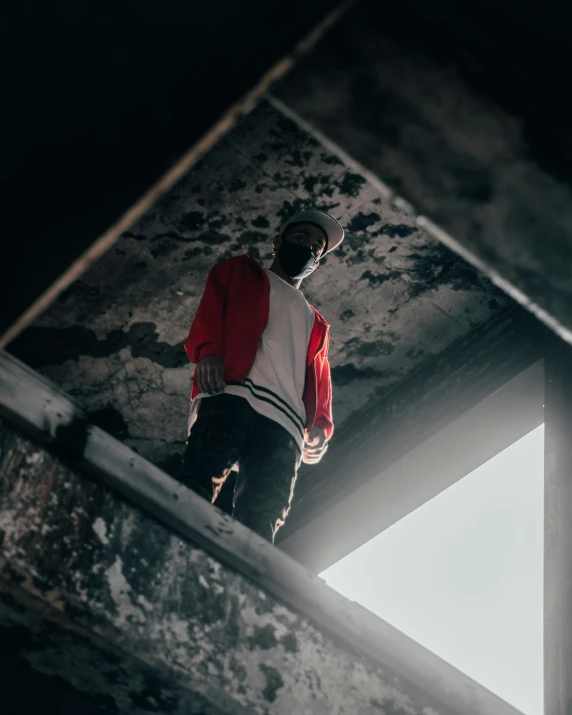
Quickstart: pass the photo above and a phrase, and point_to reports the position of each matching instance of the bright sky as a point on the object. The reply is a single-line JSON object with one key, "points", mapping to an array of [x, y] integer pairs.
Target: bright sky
{"points": [[463, 574]]}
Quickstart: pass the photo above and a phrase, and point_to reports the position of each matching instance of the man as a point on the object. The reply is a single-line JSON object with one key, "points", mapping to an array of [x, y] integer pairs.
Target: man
{"points": [[261, 398]]}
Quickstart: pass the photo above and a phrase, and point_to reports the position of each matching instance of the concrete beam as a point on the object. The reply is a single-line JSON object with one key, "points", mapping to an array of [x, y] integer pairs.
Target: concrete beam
{"points": [[106, 116], [450, 108], [397, 488], [146, 596], [558, 530], [393, 449]]}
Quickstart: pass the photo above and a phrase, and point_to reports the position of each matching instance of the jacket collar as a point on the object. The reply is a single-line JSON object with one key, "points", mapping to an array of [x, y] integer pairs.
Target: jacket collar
{"points": [[324, 323]]}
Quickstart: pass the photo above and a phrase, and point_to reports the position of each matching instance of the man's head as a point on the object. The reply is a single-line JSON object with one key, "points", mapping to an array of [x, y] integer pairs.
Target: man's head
{"points": [[304, 239]]}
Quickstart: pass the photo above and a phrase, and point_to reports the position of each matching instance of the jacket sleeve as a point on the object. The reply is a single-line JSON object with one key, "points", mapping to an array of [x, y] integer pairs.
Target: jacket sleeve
{"points": [[206, 336], [324, 417]]}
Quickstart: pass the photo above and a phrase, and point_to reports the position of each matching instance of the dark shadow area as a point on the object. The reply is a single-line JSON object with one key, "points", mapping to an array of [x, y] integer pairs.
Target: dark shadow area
{"points": [[27, 691], [100, 102]]}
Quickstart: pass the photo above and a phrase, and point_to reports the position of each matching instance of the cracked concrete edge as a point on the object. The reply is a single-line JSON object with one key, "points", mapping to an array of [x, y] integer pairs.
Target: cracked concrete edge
{"points": [[33, 404], [165, 182], [463, 249], [129, 612]]}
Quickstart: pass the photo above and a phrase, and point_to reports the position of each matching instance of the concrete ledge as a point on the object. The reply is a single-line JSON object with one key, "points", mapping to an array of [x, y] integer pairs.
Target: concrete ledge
{"points": [[161, 585], [467, 167], [479, 376], [425, 471]]}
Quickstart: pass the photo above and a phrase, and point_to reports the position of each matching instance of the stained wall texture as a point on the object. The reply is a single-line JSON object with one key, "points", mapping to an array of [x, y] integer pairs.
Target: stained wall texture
{"points": [[97, 594], [393, 294], [451, 108]]}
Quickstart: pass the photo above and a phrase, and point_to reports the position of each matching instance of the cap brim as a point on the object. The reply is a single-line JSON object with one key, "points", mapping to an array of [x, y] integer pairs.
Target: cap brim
{"points": [[332, 228]]}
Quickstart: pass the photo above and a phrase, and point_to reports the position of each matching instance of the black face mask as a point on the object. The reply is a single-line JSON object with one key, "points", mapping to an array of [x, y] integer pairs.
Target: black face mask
{"points": [[297, 261]]}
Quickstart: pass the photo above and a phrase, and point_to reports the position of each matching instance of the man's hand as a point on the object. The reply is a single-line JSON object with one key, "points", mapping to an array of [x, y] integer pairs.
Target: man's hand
{"points": [[315, 445], [210, 374]]}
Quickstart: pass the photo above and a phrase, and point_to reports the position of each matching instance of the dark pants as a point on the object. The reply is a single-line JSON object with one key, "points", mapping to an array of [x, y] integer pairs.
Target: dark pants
{"points": [[228, 431]]}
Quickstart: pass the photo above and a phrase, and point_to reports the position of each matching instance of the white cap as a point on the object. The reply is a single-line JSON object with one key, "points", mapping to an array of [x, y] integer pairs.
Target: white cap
{"points": [[332, 228]]}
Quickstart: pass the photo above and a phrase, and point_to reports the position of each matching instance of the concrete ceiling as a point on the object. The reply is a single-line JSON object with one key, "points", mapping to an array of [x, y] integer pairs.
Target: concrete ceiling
{"points": [[460, 105], [104, 104], [457, 108], [393, 295]]}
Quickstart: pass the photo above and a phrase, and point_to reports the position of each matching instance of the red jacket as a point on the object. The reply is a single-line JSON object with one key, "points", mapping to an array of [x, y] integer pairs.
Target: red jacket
{"points": [[233, 314]]}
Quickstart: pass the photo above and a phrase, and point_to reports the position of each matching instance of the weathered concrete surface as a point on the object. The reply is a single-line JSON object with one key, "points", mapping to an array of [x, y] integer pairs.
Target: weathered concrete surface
{"points": [[174, 584], [85, 139], [393, 295], [101, 595], [27, 690], [558, 530], [435, 395], [454, 107]]}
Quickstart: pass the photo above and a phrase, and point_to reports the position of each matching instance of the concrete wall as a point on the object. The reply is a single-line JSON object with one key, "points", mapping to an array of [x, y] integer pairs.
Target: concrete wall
{"points": [[393, 294], [97, 593], [104, 103], [457, 108]]}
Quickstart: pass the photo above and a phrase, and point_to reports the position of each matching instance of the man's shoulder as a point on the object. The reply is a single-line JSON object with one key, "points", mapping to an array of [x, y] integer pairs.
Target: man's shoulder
{"points": [[244, 260]]}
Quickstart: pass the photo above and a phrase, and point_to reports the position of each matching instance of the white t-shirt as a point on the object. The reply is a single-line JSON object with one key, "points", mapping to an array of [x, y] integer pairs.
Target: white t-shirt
{"points": [[275, 384]]}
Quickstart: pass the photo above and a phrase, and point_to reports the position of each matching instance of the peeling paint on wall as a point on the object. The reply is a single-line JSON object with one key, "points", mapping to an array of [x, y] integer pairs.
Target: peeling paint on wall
{"points": [[392, 294], [141, 620]]}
